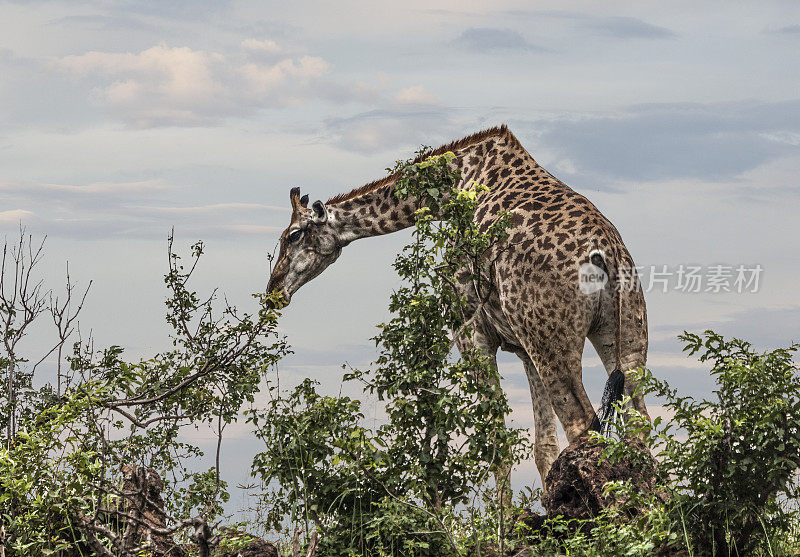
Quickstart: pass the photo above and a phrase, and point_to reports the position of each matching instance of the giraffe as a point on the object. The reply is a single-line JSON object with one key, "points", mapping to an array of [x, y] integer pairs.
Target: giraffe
{"points": [[537, 308]]}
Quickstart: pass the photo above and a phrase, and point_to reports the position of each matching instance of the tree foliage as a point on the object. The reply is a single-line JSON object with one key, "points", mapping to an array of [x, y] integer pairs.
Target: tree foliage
{"points": [[420, 482], [730, 462], [63, 464]]}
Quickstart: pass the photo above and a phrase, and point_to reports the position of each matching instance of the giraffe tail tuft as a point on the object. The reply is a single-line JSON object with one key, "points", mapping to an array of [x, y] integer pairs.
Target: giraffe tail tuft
{"points": [[612, 394]]}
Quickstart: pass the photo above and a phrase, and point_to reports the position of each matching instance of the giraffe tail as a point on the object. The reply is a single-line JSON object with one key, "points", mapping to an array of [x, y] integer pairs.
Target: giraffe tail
{"points": [[615, 384], [612, 394]]}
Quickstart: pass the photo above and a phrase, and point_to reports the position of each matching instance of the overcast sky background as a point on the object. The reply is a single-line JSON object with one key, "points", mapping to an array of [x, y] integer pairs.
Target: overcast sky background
{"points": [[120, 120]]}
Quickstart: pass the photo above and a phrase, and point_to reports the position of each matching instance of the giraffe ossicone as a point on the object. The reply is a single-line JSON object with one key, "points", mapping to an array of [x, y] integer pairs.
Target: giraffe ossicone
{"points": [[556, 278]]}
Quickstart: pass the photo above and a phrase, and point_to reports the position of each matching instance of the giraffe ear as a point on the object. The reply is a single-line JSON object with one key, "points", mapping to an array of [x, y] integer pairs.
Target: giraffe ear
{"points": [[320, 212]]}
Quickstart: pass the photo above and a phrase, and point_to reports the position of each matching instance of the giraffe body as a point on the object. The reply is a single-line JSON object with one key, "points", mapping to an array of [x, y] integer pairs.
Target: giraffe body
{"points": [[536, 309]]}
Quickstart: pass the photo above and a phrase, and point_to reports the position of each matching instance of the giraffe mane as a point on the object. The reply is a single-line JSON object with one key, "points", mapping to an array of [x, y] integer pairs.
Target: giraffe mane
{"points": [[452, 146]]}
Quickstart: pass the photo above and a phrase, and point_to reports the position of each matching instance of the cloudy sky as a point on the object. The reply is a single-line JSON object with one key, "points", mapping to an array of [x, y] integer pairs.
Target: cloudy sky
{"points": [[122, 119]]}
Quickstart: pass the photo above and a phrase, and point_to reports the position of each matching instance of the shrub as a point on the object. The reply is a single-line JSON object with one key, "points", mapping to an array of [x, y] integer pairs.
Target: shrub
{"points": [[65, 449], [730, 462], [726, 466]]}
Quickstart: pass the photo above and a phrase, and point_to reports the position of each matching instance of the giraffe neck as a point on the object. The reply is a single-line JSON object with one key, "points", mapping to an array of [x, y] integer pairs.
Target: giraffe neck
{"points": [[373, 213], [378, 211]]}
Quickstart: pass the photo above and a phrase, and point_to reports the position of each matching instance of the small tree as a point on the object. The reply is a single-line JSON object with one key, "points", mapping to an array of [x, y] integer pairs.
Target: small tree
{"points": [[73, 475], [445, 414], [731, 460], [726, 467]]}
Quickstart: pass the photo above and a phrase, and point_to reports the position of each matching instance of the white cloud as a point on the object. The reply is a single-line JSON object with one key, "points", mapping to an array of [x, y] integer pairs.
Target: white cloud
{"points": [[267, 46], [129, 209], [212, 208], [787, 137], [381, 130], [492, 40], [95, 188], [15, 215], [416, 94], [258, 229], [180, 86], [265, 79], [657, 141]]}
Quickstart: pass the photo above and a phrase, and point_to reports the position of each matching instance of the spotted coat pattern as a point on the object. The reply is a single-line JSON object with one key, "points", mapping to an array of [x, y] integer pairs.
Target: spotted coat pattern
{"points": [[536, 309]]}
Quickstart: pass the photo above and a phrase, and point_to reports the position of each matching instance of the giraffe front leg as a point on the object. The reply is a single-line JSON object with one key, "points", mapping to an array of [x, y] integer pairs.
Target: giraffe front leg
{"points": [[545, 450]]}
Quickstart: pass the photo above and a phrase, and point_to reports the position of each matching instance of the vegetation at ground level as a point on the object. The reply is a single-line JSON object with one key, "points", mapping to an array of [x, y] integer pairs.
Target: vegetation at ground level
{"points": [[421, 484]]}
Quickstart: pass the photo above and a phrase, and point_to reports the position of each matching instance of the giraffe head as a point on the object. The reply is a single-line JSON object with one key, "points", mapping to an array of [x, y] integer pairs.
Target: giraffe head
{"points": [[307, 246]]}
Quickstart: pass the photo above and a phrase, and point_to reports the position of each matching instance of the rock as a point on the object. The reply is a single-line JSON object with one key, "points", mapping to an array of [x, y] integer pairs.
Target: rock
{"points": [[575, 482]]}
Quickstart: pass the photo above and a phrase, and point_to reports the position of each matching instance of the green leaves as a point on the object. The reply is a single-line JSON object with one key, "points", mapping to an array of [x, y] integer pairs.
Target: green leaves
{"points": [[726, 482], [433, 397], [66, 462], [729, 462]]}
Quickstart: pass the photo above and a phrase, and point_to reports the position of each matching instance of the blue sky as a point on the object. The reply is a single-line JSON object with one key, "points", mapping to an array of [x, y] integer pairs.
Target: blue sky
{"points": [[120, 120]]}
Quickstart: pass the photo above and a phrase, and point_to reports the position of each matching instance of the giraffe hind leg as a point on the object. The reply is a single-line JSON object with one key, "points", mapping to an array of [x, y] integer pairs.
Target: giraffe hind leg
{"points": [[560, 372], [633, 354]]}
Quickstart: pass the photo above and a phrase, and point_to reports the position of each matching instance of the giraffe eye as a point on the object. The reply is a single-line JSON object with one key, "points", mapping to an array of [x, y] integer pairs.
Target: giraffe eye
{"points": [[294, 236]]}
